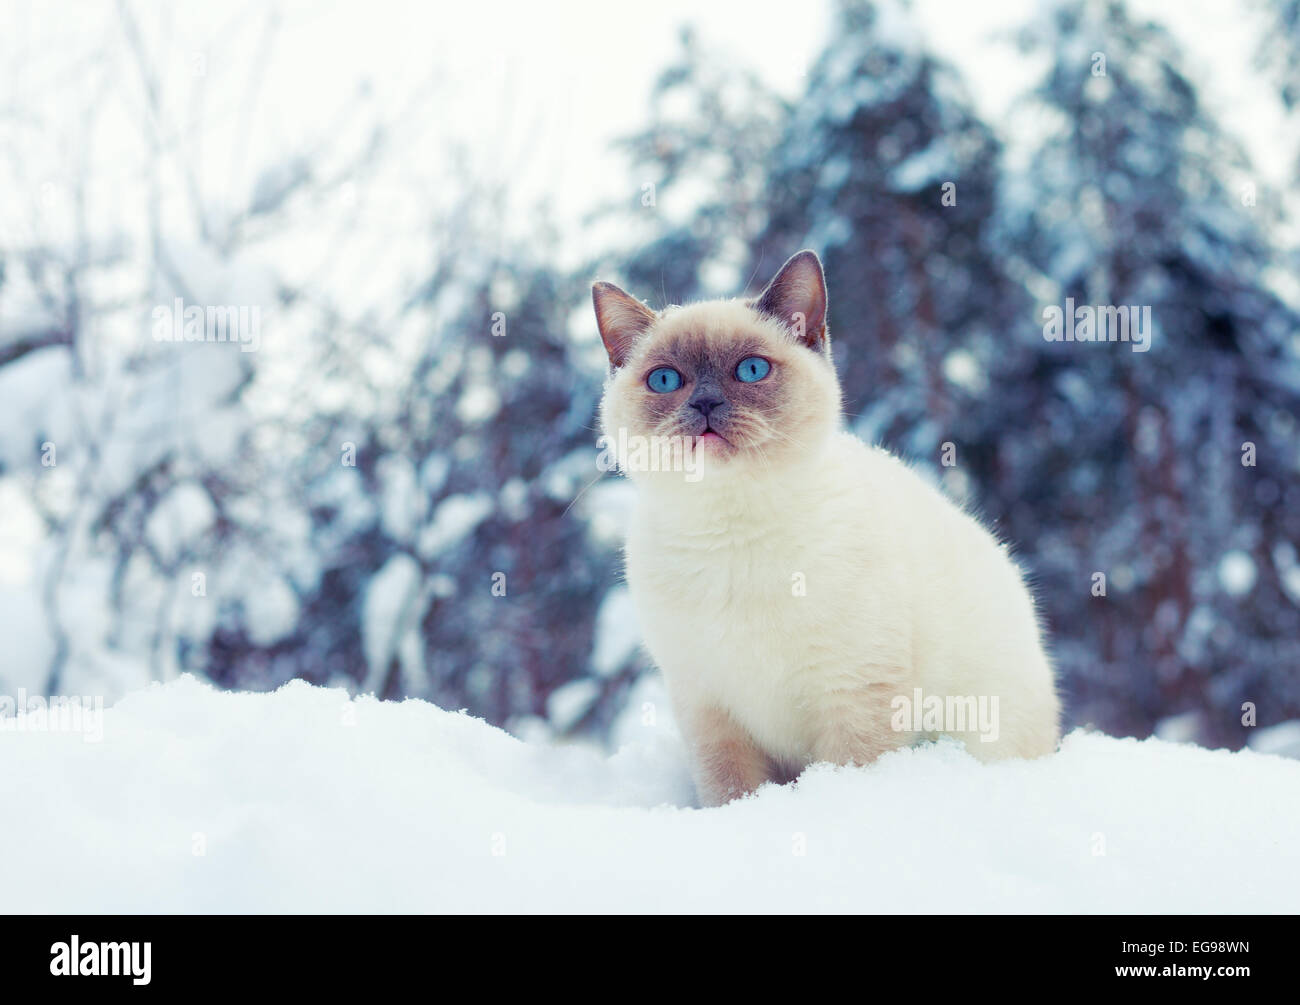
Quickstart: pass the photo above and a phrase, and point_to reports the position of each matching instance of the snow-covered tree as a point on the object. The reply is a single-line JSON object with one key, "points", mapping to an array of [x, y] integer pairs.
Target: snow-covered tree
{"points": [[700, 179], [886, 170], [1279, 50], [1172, 472]]}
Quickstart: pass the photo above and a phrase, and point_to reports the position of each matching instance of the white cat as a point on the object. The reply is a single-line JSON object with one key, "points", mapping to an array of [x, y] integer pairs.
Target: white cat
{"points": [[807, 597]]}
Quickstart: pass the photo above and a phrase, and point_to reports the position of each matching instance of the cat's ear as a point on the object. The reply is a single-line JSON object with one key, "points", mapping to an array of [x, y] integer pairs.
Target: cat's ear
{"points": [[797, 298], [622, 319]]}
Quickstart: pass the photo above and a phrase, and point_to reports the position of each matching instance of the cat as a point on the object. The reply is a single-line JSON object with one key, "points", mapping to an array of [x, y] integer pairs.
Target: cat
{"points": [[805, 592]]}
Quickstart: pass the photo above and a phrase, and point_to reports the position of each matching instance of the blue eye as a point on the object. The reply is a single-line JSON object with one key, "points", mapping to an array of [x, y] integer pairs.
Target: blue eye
{"points": [[664, 379], [753, 368]]}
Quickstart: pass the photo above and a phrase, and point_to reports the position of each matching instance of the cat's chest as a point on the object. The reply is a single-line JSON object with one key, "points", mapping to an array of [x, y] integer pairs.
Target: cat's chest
{"points": [[728, 603]]}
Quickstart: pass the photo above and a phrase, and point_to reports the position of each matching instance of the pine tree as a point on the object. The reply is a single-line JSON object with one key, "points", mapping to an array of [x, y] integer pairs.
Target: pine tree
{"points": [[1279, 50], [884, 167], [700, 174], [1134, 197]]}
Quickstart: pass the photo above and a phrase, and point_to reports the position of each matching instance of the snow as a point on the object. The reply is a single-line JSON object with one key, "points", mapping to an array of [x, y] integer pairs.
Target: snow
{"points": [[29, 646], [568, 703], [1182, 728], [271, 611], [618, 633], [402, 504], [453, 519], [962, 368], [33, 398], [184, 514], [1237, 573], [1288, 569], [924, 168], [478, 404], [309, 800], [1282, 739], [389, 609]]}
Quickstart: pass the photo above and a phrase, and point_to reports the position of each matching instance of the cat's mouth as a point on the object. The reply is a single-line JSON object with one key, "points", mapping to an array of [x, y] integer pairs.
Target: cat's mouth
{"points": [[710, 437]]}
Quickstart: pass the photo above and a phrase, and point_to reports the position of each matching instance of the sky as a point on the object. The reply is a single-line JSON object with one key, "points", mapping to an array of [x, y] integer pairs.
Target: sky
{"points": [[544, 88], [529, 95]]}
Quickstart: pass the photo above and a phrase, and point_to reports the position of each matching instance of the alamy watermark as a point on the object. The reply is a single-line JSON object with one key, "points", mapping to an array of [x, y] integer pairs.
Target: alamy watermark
{"points": [[76, 958], [1106, 323], [951, 714], [176, 322], [649, 453], [57, 714]]}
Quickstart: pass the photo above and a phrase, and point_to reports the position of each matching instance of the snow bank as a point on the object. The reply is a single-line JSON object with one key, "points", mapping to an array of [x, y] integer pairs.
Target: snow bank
{"points": [[304, 800]]}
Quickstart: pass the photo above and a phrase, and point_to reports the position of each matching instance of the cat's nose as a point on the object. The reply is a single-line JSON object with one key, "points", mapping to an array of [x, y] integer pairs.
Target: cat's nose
{"points": [[706, 405]]}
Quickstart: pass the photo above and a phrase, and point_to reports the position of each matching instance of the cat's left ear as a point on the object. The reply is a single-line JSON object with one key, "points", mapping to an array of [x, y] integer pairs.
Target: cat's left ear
{"points": [[797, 298], [622, 319]]}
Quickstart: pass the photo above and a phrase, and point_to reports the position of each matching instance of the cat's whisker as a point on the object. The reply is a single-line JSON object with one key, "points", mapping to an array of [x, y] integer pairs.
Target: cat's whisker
{"points": [[581, 493]]}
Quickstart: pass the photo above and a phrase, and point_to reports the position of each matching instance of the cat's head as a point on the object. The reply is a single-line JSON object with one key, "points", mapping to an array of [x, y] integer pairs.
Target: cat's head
{"points": [[746, 386]]}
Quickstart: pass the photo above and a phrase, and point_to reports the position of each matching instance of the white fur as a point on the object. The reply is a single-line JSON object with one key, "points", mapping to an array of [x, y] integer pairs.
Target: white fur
{"points": [[901, 590]]}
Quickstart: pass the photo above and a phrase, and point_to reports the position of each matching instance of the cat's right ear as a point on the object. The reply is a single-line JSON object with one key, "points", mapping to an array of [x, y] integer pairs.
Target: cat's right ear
{"points": [[622, 319]]}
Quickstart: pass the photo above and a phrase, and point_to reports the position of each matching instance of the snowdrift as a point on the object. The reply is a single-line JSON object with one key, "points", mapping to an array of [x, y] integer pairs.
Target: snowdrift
{"points": [[308, 800]]}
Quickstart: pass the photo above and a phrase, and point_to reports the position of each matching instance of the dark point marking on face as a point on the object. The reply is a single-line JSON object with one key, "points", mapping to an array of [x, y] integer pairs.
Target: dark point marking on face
{"points": [[711, 395], [702, 352], [783, 414]]}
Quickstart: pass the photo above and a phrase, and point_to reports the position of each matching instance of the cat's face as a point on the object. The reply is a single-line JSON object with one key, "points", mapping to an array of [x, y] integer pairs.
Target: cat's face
{"points": [[742, 386]]}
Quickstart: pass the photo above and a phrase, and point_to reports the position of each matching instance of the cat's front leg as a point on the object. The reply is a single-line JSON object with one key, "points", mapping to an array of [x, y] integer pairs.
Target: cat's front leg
{"points": [[726, 762]]}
